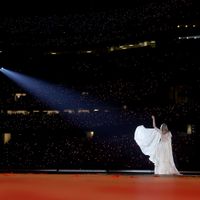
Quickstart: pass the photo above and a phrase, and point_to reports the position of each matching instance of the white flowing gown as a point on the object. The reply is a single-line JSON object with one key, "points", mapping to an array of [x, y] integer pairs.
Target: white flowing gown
{"points": [[158, 147]]}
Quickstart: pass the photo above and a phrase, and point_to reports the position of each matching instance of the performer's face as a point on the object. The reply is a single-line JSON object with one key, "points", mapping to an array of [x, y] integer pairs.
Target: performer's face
{"points": [[164, 131]]}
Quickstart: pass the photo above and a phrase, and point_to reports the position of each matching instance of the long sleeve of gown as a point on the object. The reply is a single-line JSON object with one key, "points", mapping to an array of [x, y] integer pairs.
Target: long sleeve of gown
{"points": [[147, 139]]}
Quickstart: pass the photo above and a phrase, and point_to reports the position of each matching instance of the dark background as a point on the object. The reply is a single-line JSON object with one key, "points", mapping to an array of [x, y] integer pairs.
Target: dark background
{"points": [[135, 83]]}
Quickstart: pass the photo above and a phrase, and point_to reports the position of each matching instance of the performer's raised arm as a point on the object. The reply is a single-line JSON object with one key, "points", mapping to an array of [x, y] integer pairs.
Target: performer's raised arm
{"points": [[154, 121]]}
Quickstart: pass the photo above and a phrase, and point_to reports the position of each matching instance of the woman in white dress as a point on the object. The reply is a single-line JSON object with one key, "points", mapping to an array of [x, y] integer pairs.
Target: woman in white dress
{"points": [[156, 143]]}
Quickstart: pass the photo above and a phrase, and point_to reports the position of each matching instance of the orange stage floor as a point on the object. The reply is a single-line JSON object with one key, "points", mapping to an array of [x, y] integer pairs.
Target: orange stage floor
{"points": [[97, 187]]}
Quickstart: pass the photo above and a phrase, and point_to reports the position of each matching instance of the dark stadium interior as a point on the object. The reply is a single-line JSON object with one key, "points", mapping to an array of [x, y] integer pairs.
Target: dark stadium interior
{"points": [[136, 61]]}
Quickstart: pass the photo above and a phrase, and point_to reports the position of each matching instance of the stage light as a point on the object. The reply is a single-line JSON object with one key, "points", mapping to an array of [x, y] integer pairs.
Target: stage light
{"points": [[90, 134], [6, 138]]}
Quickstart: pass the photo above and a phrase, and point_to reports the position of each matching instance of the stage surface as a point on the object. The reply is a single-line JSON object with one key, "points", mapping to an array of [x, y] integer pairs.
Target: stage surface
{"points": [[30, 186]]}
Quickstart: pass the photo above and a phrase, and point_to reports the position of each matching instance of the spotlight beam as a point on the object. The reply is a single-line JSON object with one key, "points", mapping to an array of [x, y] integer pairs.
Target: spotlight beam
{"points": [[60, 98]]}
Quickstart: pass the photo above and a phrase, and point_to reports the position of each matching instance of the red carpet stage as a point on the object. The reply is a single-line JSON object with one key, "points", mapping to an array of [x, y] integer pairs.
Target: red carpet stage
{"points": [[30, 186]]}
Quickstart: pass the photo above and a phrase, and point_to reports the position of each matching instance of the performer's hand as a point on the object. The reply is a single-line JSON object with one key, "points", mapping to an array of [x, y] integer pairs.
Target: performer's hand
{"points": [[153, 117]]}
